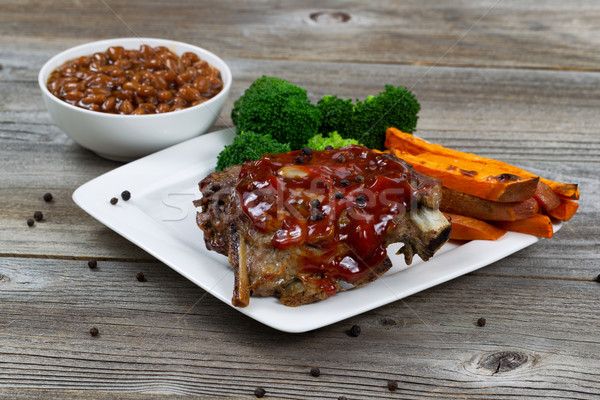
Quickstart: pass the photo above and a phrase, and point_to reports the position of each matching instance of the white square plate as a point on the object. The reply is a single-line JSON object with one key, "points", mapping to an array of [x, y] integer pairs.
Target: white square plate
{"points": [[161, 219]]}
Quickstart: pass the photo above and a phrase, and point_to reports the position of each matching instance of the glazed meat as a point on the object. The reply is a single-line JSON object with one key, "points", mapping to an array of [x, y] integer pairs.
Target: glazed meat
{"points": [[303, 225]]}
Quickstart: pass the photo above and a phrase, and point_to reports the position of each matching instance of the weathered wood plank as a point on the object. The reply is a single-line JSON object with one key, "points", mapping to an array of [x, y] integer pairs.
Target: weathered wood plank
{"points": [[550, 34], [56, 393], [165, 336]]}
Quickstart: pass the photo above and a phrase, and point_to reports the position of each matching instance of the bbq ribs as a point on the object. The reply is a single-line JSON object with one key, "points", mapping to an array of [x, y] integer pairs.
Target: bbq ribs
{"points": [[297, 225]]}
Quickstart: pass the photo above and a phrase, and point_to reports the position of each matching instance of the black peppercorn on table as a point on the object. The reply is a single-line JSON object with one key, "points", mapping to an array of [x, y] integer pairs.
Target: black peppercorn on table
{"points": [[86, 314]]}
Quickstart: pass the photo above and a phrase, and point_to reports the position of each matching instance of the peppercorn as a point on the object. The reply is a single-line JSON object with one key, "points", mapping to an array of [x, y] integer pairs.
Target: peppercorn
{"points": [[481, 321], [299, 160], [48, 197], [317, 215], [38, 216], [307, 151], [94, 331], [354, 331], [30, 222], [114, 201], [125, 195], [339, 196], [392, 385], [344, 182], [340, 159], [92, 263], [259, 392], [315, 372], [140, 277], [329, 147], [359, 178], [315, 203], [342, 398], [361, 199]]}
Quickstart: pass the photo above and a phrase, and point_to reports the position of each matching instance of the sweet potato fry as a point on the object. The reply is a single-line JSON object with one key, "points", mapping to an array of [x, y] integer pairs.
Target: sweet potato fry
{"points": [[564, 190], [565, 210], [546, 197], [538, 225], [459, 203], [465, 228], [405, 143], [471, 178]]}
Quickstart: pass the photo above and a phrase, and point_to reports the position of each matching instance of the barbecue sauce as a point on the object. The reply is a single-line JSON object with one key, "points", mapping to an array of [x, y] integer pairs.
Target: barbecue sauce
{"points": [[340, 203]]}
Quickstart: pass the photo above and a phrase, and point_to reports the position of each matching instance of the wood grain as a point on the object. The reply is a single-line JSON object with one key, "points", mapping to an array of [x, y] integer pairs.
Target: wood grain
{"points": [[488, 33], [63, 394], [166, 336], [511, 80]]}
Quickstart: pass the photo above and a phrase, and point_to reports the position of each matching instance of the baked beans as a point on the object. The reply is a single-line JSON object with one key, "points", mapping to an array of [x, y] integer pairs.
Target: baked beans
{"points": [[151, 80]]}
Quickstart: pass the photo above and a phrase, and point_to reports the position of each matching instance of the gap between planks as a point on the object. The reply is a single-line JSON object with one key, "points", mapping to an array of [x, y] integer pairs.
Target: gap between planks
{"points": [[424, 64], [552, 278], [80, 258]]}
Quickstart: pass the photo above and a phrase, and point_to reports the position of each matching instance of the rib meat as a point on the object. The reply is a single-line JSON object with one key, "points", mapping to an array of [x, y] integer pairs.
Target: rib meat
{"points": [[297, 225]]}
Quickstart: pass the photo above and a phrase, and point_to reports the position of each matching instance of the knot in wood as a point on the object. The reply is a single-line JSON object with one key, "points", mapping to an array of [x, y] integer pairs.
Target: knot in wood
{"points": [[388, 322], [4, 279], [503, 361], [330, 17]]}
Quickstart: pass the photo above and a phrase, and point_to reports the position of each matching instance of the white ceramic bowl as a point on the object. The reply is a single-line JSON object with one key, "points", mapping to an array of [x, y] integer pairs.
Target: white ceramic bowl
{"points": [[127, 137]]}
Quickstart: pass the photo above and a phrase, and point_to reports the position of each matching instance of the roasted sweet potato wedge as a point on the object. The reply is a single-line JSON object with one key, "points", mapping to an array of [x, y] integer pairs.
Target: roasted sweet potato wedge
{"points": [[538, 225], [501, 187], [565, 210], [546, 197], [466, 228], [459, 203], [438, 158], [564, 190]]}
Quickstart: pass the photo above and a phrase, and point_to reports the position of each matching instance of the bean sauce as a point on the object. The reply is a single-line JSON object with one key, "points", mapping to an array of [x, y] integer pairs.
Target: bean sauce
{"points": [[151, 80]]}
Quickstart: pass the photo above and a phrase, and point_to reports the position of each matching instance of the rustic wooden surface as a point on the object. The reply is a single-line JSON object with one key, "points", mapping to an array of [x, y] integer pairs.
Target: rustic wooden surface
{"points": [[508, 79]]}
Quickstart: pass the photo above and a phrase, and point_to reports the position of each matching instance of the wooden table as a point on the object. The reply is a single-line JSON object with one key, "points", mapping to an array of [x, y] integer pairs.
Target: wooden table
{"points": [[513, 80]]}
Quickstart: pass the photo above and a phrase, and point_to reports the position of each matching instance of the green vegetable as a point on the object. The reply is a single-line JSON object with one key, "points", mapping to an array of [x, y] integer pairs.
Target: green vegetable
{"points": [[273, 111], [248, 146], [318, 142], [336, 114], [396, 107], [272, 106], [367, 121]]}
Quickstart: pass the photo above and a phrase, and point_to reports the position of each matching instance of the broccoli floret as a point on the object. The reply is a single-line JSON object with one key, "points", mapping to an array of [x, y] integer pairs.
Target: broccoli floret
{"points": [[248, 146], [396, 107], [336, 114], [368, 120], [318, 142], [273, 106]]}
